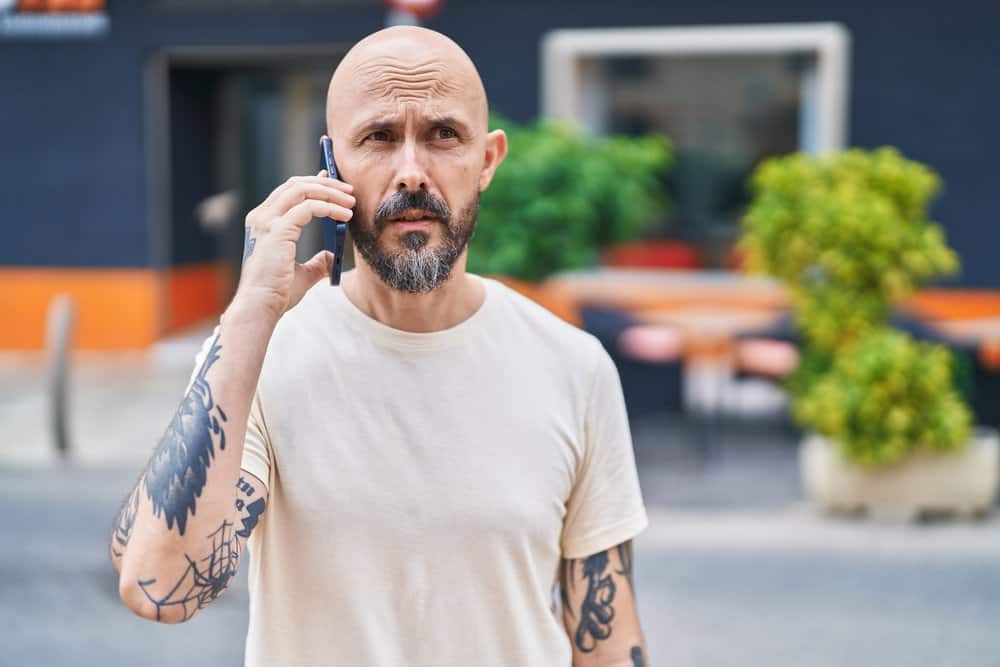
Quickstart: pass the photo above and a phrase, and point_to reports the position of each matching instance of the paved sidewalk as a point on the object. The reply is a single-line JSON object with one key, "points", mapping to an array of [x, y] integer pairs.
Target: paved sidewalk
{"points": [[119, 404], [717, 588], [734, 571]]}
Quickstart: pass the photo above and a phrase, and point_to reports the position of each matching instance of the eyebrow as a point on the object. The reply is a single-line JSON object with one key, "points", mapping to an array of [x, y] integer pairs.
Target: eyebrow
{"points": [[378, 124], [437, 121], [388, 123]]}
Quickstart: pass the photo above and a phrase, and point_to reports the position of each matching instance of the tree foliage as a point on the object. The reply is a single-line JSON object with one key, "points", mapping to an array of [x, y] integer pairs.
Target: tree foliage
{"points": [[848, 235], [560, 197]]}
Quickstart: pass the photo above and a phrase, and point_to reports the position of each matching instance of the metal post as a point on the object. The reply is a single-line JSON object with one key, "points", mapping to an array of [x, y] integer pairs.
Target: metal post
{"points": [[60, 327]]}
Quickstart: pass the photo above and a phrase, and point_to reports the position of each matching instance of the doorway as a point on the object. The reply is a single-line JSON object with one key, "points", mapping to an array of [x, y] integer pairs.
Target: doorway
{"points": [[224, 128]]}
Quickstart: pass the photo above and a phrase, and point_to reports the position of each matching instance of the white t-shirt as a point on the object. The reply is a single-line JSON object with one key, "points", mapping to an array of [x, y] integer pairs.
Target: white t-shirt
{"points": [[424, 486]]}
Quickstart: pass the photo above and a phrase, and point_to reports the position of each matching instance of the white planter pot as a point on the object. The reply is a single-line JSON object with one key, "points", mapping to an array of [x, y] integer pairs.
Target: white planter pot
{"points": [[963, 483]]}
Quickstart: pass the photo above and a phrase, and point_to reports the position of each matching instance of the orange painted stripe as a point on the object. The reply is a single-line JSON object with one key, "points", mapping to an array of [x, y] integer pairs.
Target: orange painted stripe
{"points": [[195, 292], [116, 308], [131, 308], [956, 304]]}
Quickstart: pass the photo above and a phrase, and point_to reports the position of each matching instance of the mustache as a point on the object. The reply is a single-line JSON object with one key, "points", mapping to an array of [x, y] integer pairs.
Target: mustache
{"points": [[407, 199]]}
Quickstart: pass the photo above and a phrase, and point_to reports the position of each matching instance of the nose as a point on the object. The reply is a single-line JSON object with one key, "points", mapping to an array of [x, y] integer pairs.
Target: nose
{"points": [[412, 174]]}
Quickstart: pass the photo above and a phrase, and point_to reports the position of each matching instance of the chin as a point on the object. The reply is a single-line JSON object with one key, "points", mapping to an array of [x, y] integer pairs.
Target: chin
{"points": [[396, 242]]}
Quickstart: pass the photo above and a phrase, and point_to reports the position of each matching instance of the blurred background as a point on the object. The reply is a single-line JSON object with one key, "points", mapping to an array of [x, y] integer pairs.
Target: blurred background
{"points": [[778, 217]]}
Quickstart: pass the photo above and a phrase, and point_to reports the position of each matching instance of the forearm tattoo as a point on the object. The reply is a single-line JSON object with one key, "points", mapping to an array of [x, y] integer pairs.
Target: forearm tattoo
{"points": [[204, 580], [178, 469], [201, 582], [124, 522]]}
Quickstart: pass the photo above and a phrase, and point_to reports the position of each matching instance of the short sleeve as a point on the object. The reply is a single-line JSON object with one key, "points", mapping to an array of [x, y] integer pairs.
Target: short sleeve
{"points": [[256, 445], [605, 507]]}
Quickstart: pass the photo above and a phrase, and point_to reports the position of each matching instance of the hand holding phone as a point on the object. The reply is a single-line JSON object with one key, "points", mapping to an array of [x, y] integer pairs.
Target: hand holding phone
{"points": [[334, 231], [271, 281]]}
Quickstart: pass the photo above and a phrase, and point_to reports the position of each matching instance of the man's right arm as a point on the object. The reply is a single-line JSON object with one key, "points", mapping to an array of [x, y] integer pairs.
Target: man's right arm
{"points": [[177, 539]]}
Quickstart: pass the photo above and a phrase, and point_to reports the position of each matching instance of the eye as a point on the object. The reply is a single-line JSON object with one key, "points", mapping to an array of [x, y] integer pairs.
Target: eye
{"points": [[378, 135], [445, 133]]}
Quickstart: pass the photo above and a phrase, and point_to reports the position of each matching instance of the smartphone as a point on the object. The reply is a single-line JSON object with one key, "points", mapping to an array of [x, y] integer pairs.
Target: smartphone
{"points": [[334, 231]]}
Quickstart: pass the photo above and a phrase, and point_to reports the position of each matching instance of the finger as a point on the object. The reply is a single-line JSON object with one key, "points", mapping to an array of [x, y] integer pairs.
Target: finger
{"points": [[304, 191], [295, 180], [301, 214], [319, 266]]}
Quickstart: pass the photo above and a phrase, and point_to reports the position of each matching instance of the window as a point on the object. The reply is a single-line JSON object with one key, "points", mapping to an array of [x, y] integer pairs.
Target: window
{"points": [[727, 97]]}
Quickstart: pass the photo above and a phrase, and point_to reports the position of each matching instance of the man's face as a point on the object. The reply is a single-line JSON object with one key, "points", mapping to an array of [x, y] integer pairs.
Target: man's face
{"points": [[414, 146]]}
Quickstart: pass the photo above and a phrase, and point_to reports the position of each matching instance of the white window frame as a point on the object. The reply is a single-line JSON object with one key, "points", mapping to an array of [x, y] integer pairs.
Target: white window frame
{"points": [[567, 84]]}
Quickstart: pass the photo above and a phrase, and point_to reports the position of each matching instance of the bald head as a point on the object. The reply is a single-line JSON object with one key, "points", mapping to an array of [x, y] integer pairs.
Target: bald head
{"points": [[400, 65], [407, 114]]}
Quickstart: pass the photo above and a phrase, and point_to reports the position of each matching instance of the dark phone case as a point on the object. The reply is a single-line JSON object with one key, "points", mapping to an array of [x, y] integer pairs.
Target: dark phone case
{"points": [[334, 231]]}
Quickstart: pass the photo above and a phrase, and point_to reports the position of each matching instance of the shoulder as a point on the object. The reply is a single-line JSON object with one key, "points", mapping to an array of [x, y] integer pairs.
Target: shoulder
{"points": [[538, 326]]}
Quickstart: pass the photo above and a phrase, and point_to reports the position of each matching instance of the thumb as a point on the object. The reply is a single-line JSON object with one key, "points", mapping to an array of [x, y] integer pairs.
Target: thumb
{"points": [[319, 266]]}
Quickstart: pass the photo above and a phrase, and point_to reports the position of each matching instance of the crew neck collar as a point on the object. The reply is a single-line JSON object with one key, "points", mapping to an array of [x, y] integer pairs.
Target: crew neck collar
{"points": [[373, 329]]}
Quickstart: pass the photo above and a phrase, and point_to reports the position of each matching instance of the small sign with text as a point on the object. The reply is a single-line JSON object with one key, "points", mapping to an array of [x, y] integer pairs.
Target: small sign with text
{"points": [[53, 19]]}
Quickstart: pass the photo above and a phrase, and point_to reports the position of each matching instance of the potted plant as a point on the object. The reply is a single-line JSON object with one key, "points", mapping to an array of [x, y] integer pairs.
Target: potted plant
{"points": [[848, 235], [561, 197]]}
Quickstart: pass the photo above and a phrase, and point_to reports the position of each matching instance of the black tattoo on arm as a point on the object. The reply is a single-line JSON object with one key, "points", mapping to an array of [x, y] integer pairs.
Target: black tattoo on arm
{"points": [[254, 509], [593, 623], [124, 522], [178, 469], [201, 582], [248, 244], [596, 610], [205, 580]]}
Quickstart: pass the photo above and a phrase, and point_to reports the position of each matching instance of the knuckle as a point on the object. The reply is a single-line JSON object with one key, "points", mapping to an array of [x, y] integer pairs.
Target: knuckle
{"points": [[252, 217]]}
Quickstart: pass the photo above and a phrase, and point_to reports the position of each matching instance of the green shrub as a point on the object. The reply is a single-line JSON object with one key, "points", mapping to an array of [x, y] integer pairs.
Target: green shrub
{"points": [[560, 197], [848, 235], [882, 399]]}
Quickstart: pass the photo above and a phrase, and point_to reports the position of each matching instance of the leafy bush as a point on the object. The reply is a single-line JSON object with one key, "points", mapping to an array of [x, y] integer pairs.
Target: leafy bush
{"points": [[560, 197], [848, 235], [882, 399]]}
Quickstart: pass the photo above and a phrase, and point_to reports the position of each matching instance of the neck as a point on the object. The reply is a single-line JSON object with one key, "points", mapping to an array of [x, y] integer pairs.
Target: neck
{"points": [[449, 305]]}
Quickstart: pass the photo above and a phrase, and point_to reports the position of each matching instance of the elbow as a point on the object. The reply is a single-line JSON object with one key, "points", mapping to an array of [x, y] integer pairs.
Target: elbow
{"points": [[133, 597], [139, 603]]}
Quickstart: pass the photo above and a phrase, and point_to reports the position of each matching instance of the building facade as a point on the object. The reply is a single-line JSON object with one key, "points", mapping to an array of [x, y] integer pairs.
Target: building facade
{"points": [[113, 138]]}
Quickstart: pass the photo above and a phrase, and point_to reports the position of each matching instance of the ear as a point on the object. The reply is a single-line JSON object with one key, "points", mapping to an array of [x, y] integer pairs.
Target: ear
{"points": [[496, 151]]}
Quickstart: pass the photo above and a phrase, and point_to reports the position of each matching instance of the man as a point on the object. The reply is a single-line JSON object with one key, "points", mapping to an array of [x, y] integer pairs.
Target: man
{"points": [[421, 449]]}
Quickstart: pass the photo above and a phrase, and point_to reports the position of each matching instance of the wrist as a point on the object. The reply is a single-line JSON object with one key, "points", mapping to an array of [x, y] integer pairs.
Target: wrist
{"points": [[250, 311]]}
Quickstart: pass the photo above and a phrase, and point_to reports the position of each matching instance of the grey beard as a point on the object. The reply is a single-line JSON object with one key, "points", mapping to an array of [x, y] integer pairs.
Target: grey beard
{"points": [[418, 269]]}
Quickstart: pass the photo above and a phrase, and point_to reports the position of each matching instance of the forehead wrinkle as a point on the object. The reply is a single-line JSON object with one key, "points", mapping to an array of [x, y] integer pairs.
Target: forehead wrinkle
{"points": [[390, 77]]}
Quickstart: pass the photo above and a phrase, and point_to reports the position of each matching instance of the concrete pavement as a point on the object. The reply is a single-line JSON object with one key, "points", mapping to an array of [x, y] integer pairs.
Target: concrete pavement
{"points": [[735, 569]]}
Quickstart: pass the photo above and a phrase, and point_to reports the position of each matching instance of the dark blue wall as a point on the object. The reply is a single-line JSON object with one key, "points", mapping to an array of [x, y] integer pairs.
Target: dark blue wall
{"points": [[924, 78]]}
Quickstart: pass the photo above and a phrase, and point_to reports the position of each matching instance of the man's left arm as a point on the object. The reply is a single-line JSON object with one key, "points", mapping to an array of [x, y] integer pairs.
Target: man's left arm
{"points": [[599, 609]]}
